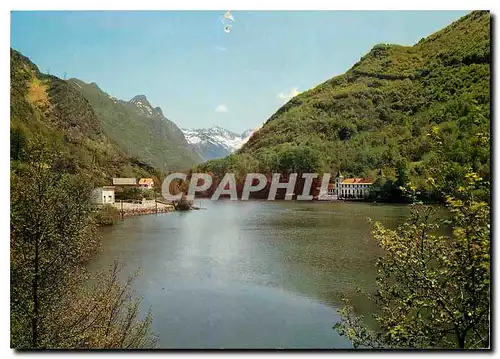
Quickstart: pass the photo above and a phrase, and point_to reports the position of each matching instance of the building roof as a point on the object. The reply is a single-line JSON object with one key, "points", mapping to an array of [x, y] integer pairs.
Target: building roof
{"points": [[356, 180], [108, 187], [124, 181], [146, 181]]}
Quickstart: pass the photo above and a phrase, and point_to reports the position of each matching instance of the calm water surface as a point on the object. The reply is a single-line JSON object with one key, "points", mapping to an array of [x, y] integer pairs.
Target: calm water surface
{"points": [[252, 274]]}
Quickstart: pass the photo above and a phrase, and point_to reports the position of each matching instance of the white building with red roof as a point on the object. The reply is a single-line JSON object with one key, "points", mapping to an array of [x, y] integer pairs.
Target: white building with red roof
{"points": [[356, 187]]}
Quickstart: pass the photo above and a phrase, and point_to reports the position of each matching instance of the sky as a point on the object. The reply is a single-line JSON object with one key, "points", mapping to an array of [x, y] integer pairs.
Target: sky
{"points": [[201, 76]]}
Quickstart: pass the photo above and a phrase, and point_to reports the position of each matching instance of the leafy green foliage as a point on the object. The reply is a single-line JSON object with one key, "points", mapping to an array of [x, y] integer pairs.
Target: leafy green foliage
{"points": [[55, 303], [129, 193], [433, 291], [390, 190], [107, 215], [183, 204], [18, 144], [148, 194], [380, 113]]}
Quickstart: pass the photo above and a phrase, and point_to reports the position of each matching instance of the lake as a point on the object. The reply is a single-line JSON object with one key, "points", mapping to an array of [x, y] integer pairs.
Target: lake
{"points": [[250, 274]]}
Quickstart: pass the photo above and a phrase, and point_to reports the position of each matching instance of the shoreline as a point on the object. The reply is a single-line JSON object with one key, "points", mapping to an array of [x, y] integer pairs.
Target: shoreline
{"points": [[141, 212], [138, 209]]}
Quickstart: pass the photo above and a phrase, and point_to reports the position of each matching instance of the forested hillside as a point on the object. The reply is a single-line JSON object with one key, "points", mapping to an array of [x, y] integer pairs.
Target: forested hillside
{"points": [[48, 113], [401, 109], [139, 129]]}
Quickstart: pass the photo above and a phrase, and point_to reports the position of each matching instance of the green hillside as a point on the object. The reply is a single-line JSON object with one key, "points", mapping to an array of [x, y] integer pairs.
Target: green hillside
{"points": [[47, 112], [148, 136], [381, 113]]}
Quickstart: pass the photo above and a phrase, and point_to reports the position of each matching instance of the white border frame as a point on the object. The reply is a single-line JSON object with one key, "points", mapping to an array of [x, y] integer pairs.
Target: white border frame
{"points": [[7, 6]]}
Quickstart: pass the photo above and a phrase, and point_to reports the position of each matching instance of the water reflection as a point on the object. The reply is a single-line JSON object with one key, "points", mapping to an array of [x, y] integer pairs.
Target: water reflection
{"points": [[253, 274]]}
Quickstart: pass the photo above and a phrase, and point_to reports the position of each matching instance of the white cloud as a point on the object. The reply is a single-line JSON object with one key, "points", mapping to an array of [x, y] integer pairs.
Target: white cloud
{"points": [[221, 108], [220, 48], [288, 95]]}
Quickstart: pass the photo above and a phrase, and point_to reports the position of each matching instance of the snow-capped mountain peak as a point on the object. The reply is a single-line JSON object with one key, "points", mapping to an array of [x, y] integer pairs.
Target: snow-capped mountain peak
{"points": [[215, 142]]}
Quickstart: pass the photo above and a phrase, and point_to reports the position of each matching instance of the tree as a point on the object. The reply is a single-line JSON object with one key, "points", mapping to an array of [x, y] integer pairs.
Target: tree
{"points": [[433, 290], [130, 193], [183, 204], [18, 143], [401, 174], [52, 236], [149, 194], [103, 314], [376, 189]]}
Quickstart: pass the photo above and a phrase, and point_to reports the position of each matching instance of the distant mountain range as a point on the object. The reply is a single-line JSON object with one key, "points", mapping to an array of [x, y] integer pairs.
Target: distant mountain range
{"points": [[106, 136], [215, 142], [139, 129]]}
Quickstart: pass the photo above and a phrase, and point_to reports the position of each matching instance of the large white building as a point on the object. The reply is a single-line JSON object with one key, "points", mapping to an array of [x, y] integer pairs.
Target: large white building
{"points": [[347, 188], [351, 187]]}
